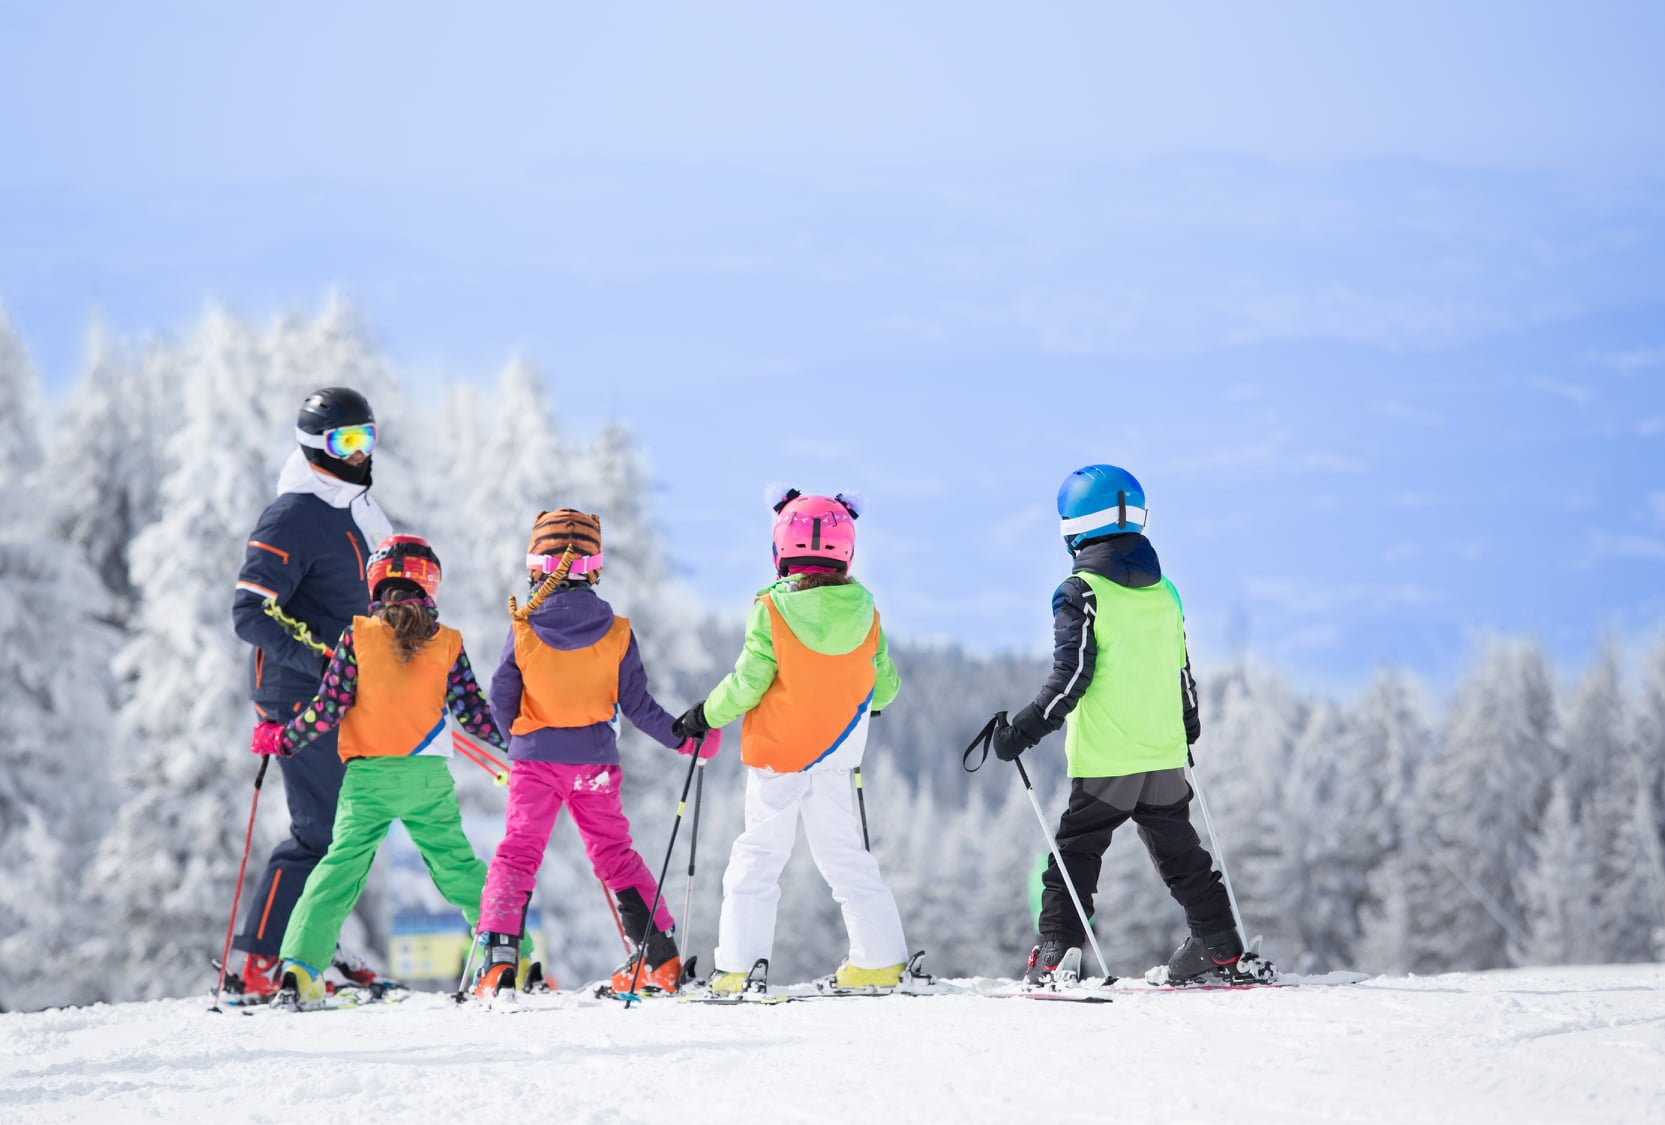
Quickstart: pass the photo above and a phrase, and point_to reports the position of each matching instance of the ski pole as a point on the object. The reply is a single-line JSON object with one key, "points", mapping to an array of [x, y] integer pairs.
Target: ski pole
{"points": [[985, 737], [242, 867], [659, 891], [693, 848], [861, 803], [1063, 872], [617, 921], [481, 757], [468, 963], [1214, 842]]}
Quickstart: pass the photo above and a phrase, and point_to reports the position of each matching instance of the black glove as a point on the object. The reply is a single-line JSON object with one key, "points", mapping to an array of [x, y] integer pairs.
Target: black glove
{"points": [[691, 723], [1013, 738]]}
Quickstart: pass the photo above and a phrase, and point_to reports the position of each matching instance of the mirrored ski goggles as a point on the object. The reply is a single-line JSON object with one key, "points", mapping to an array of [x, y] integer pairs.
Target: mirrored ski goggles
{"points": [[341, 442], [549, 564]]}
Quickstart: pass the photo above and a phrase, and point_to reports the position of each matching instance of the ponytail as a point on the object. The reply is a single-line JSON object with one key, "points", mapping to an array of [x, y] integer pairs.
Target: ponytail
{"points": [[411, 624]]}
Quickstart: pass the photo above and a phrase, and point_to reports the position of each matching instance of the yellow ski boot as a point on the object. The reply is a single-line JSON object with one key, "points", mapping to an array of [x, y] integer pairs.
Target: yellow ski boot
{"points": [[851, 978], [302, 988]]}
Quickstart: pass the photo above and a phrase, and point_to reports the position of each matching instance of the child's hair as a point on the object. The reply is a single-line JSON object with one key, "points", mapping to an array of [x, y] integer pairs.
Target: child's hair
{"points": [[808, 581], [404, 613]]}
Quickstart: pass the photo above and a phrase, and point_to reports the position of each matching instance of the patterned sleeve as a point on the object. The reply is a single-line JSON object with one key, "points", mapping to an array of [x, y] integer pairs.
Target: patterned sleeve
{"points": [[336, 695], [469, 704]]}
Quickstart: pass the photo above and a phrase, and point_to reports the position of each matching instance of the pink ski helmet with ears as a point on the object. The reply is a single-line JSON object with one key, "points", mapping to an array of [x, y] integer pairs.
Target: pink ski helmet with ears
{"points": [[815, 533]]}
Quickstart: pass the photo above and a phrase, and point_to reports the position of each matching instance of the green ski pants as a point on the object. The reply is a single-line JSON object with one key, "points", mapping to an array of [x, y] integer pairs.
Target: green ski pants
{"points": [[377, 791]]}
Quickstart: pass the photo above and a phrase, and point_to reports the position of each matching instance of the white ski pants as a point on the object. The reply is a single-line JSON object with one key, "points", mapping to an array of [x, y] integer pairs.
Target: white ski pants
{"points": [[751, 884]]}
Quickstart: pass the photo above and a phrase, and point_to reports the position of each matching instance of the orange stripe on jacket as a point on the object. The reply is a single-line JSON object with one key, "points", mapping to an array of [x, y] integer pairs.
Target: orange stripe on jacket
{"points": [[812, 704], [397, 705], [279, 552], [570, 687]]}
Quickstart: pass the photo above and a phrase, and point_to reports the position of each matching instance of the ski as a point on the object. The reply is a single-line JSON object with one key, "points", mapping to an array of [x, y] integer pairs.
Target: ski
{"points": [[1155, 981], [1081, 995], [379, 990], [1063, 983]]}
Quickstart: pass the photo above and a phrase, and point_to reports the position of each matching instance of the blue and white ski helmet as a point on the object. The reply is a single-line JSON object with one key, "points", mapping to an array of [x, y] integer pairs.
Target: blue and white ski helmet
{"points": [[1099, 500]]}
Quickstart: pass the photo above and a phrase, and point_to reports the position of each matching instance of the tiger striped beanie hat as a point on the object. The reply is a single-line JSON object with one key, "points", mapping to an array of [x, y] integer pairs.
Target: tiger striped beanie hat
{"points": [[565, 541]]}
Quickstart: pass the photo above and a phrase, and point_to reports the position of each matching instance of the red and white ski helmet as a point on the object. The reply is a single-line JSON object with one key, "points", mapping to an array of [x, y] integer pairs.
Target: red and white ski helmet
{"points": [[407, 557], [815, 533]]}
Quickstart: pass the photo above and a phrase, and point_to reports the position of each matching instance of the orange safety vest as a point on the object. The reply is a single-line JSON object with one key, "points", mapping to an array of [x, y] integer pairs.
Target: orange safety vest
{"points": [[399, 708], [572, 687], [814, 703]]}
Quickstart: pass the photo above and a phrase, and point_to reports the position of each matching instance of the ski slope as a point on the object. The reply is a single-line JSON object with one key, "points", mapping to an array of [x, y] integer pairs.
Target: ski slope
{"points": [[1527, 1045]]}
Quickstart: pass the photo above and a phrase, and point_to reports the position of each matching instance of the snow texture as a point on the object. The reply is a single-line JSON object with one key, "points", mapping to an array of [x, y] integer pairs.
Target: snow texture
{"points": [[1526, 1045]]}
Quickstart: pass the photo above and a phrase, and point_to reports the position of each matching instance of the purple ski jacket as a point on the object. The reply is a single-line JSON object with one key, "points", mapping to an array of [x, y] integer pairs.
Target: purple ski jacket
{"points": [[568, 620]]}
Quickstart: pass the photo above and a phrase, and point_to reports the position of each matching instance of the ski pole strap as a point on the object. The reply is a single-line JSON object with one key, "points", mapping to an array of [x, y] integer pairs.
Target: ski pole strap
{"points": [[295, 628], [983, 738]]}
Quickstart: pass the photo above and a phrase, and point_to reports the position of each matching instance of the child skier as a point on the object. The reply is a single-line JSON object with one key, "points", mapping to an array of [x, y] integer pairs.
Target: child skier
{"points": [[1121, 673], [569, 668], [814, 667], [390, 681]]}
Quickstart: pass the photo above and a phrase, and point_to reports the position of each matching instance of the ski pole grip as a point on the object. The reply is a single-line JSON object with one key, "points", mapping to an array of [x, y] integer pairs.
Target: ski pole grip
{"points": [[260, 775]]}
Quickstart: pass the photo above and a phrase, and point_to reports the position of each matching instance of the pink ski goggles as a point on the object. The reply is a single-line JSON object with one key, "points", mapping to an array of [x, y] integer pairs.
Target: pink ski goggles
{"points": [[549, 564]]}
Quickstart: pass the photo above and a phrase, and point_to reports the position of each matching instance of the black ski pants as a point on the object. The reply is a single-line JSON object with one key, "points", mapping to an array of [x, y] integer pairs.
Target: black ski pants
{"points": [[1159, 805], [311, 786]]}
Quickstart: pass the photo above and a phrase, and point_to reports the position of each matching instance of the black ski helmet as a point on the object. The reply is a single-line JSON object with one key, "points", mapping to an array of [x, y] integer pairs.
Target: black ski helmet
{"points": [[326, 409], [329, 407]]}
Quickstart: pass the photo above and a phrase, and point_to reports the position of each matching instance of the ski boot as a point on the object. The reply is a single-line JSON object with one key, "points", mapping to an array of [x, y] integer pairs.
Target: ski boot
{"points": [[851, 980], [496, 980], [660, 970], [726, 983], [532, 980], [1212, 957], [359, 974], [735, 986], [1051, 962], [302, 988], [260, 980]]}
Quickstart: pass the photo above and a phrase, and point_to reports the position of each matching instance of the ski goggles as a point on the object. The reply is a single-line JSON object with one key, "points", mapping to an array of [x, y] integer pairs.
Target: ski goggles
{"points": [[341, 442], [549, 564]]}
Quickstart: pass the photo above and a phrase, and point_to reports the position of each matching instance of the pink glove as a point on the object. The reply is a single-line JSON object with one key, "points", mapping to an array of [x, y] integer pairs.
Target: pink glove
{"points": [[268, 739], [708, 749]]}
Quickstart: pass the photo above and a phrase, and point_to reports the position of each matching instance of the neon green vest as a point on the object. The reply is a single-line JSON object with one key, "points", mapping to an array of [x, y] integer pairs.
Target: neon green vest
{"points": [[1130, 718]]}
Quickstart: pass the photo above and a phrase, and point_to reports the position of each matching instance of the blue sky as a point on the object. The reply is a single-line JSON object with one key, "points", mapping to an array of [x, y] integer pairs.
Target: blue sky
{"points": [[1369, 295]]}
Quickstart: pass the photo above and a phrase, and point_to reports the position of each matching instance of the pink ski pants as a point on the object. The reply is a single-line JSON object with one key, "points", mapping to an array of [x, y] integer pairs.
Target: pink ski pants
{"points": [[536, 793]]}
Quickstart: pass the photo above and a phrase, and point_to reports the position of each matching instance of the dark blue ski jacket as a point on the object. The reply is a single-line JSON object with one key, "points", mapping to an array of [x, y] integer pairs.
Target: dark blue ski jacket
{"points": [[307, 552]]}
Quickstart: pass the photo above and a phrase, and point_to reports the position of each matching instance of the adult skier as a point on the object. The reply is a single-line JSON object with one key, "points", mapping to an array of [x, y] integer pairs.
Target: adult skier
{"points": [[305, 567], [1122, 676]]}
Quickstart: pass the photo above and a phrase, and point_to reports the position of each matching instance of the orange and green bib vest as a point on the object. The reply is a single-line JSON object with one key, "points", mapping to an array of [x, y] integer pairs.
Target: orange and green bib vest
{"points": [[813, 705]]}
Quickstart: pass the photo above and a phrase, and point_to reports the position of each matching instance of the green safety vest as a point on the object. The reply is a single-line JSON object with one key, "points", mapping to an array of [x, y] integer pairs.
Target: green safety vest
{"points": [[1131, 717]]}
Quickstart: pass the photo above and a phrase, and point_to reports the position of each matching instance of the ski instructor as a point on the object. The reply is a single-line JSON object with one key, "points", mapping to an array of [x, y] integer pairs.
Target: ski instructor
{"points": [[304, 567]]}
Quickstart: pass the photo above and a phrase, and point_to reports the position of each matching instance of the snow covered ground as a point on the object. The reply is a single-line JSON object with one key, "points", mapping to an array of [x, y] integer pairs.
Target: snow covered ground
{"points": [[1550, 1045]]}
